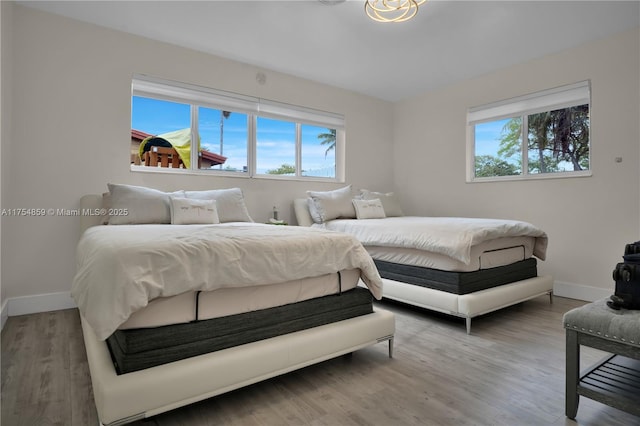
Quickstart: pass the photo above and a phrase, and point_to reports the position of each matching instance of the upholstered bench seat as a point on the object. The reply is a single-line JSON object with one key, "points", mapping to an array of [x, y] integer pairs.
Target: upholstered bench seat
{"points": [[597, 319]]}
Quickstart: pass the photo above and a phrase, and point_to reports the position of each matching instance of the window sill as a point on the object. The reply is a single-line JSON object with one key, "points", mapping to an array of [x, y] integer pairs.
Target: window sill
{"points": [[228, 174], [544, 176]]}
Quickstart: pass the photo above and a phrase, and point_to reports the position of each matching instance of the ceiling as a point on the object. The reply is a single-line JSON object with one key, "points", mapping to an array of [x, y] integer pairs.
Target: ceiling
{"points": [[446, 42]]}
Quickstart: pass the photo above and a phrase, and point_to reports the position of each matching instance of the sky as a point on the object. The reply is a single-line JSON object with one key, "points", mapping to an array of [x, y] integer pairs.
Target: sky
{"points": [[488, 137], [275, 138]]}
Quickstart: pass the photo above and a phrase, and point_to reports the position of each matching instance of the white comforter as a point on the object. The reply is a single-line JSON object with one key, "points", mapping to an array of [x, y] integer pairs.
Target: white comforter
{"points": [[450, 236], [121, 268]]}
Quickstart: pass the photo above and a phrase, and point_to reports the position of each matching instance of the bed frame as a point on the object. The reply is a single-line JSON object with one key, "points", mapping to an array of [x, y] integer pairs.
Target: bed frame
{"points": [[125, 398], [466, 306]]}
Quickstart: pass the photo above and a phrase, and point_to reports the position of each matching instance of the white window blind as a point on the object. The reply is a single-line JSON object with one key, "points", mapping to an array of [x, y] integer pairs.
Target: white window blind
{"points": [[273, 109], [147, 86], [547, 100]]}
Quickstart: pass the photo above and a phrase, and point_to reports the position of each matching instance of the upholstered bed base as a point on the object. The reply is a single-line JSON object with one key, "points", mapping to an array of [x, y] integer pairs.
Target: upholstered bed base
{"points": [[472, 304], [124, 398]]}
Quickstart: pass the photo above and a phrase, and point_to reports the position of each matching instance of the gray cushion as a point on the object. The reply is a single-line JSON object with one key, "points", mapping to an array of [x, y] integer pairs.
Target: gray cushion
{"points": [[600, 320]]}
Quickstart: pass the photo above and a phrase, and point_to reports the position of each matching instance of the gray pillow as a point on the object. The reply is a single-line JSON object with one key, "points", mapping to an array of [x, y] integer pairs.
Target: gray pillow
{"points": [[139, 205], [229, 203], [329, 205]]}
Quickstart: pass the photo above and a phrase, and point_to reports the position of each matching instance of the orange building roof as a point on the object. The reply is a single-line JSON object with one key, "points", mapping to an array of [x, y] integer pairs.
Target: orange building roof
{"points": [[214, 158], [139, 135]]}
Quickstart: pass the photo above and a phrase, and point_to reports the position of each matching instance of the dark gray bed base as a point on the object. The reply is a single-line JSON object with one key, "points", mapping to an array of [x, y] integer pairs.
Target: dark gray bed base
{"points": [[137, 349], [458, 282]]}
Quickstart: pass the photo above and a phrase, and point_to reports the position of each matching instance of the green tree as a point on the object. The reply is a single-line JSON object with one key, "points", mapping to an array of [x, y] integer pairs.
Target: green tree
{"points": [[552, 137], [283, 170], [489, 165], [328, 139]]}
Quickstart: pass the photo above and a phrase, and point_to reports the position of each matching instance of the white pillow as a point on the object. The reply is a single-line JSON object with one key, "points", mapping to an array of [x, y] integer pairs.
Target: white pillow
{"points": [[329, 205], [229, 203], [185, 211], [138, 205], [389, 201], [369, 209]]}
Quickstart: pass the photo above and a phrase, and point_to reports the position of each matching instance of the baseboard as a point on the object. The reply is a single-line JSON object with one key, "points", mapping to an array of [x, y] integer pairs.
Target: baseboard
{"points": [[4, 314], [580, 292], [24, 305]]}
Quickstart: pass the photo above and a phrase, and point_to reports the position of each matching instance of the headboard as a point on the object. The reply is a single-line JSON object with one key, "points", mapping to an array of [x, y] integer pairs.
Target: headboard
{"points": [[301, 209]]}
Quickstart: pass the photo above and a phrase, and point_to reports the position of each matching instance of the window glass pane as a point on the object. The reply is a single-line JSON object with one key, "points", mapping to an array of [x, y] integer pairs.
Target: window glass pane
{"points": [[318, 151], [275, 147], [168, 120], [498, 148], [223, 140], [559, 140]]}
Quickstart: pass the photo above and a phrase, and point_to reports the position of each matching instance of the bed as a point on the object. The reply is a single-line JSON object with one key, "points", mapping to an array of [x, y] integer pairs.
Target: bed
{"points": [[459, 266], [162, 331]]}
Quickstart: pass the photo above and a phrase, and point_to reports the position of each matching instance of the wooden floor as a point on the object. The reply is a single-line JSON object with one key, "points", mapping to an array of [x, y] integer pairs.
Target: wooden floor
{"points": [[509, 371]]}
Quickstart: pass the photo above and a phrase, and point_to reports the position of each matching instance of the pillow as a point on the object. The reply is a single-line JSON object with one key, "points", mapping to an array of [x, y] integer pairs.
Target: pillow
{"points": [[369, 209], [185, 211], [329, 205], [389, 201], [229, 203], [138, 205]]}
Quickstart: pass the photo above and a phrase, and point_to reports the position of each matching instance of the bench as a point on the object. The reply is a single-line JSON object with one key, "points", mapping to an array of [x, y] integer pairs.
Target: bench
{"points": [[615, 380]]}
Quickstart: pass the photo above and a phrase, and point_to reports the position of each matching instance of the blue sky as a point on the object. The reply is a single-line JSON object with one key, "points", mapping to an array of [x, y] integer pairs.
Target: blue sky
{"points": [[488, 137], [276, 139]]}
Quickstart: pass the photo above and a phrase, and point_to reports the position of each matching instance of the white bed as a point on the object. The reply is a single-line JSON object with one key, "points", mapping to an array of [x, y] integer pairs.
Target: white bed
{"points": [[448, 250], [128, 397]]}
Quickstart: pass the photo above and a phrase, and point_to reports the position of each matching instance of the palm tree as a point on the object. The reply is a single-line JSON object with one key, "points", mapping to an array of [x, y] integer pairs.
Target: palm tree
{"points": [[328, 139], [223, 115]]}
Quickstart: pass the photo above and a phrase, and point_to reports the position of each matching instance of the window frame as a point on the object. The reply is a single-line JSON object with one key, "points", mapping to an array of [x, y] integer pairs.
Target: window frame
{"points": [[522, 106], [254, 107]]}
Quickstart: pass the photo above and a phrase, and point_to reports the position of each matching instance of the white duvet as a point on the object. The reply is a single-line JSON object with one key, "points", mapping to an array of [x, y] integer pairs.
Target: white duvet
{"points": [[121, 268], [449, 236]]}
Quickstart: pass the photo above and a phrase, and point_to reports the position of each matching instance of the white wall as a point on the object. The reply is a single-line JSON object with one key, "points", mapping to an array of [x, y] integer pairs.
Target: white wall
{"points": [[5, 118], [71, 134], [589, 220]]}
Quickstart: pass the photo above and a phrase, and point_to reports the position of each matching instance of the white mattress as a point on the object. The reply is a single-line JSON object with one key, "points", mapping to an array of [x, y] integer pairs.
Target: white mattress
{"points": [[485, 255], [121, 268], [229, 301], [454, 237]]}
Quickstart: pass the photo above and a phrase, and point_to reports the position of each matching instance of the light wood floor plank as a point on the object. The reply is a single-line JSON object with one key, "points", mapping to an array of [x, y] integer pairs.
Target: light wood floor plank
{"points": [[509, 371]]}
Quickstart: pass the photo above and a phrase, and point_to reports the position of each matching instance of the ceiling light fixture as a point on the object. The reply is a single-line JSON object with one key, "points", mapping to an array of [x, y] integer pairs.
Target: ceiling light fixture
{"points": [[391, 10]]}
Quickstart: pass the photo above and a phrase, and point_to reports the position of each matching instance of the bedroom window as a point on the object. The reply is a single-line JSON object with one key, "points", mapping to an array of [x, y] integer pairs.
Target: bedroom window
{"points": [[235, 134], [540, 135], [286, 148]]}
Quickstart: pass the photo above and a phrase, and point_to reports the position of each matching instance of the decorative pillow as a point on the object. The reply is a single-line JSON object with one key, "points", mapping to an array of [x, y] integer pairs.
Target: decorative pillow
{"points": [[329, 205], [229, 203], [138, 204], [389, 201], [185, 211], [369, 209]]}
